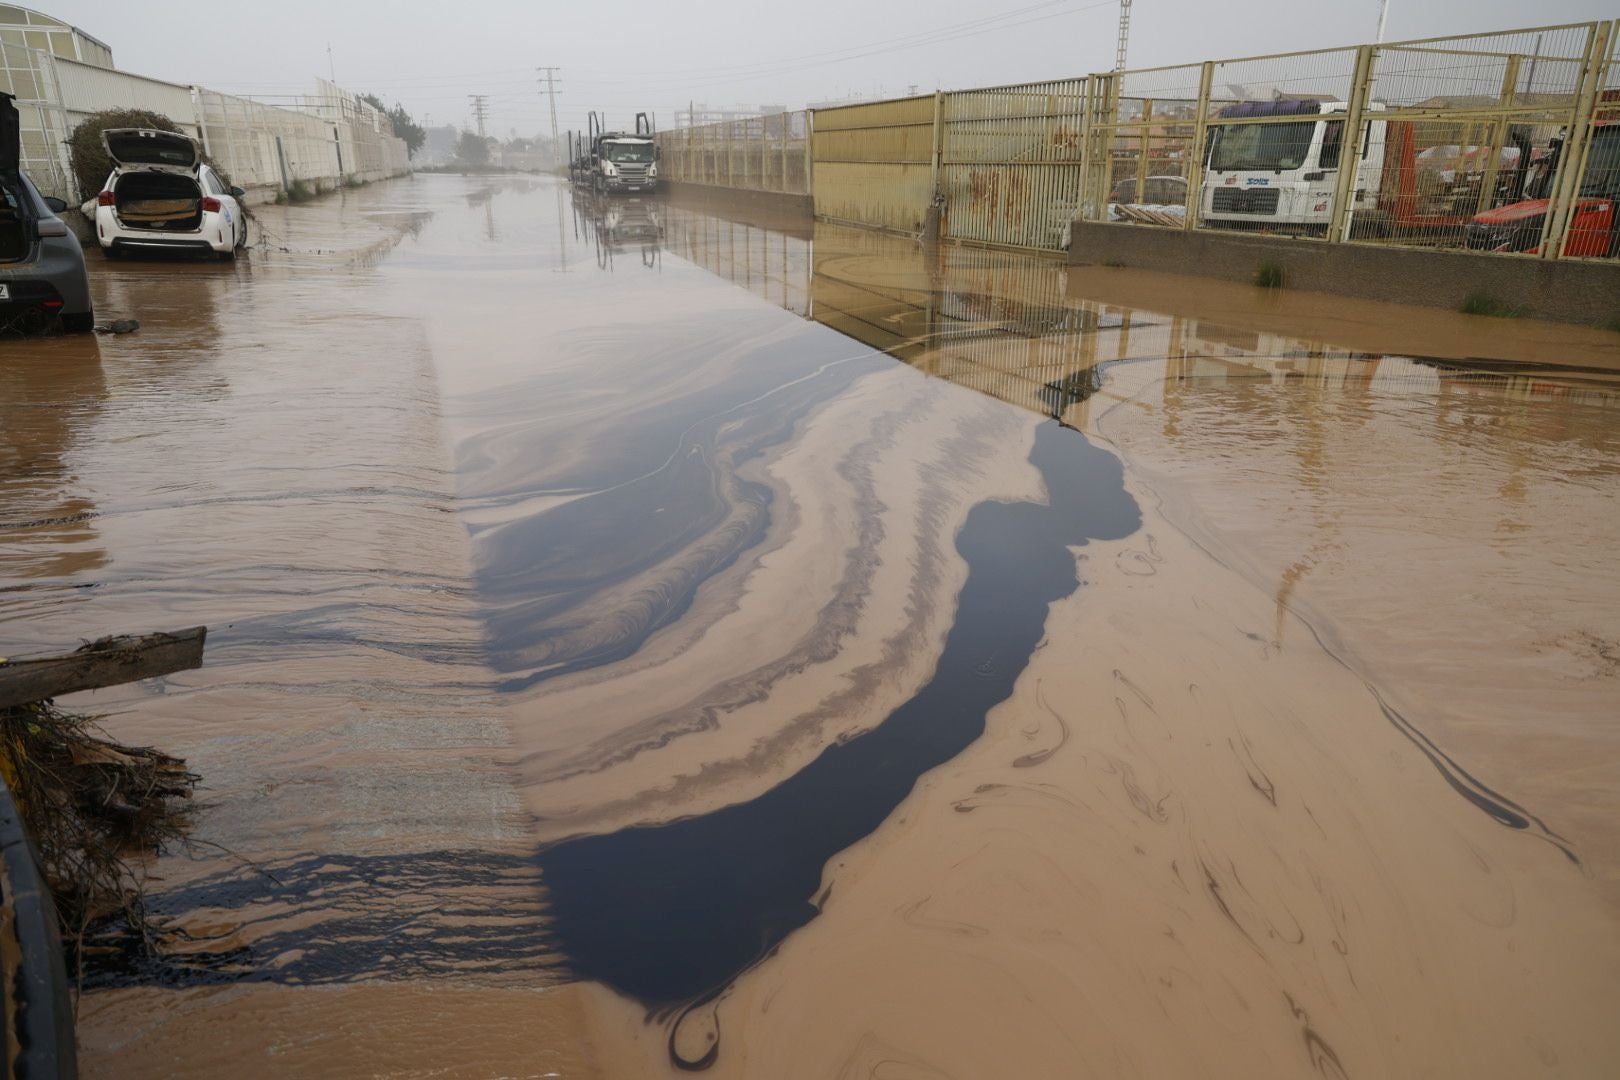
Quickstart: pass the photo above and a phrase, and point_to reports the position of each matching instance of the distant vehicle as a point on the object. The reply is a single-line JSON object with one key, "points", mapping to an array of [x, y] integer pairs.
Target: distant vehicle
{"points": [[1162, 196], [1594, 222], [160, 196], [42, 276], [616, 161]]}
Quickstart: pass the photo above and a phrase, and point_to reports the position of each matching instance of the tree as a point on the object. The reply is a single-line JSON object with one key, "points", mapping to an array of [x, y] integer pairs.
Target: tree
{"points": [[404, 126], [408, 129], [473, 149]]}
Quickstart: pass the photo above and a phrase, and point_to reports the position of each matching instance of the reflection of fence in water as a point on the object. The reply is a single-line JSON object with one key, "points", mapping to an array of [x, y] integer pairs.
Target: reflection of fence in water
{"points": [[1003, 324], [769, 263]]}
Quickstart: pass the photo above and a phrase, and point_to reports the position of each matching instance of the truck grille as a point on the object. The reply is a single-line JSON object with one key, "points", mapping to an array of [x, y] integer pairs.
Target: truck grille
{"points": [[1241, 201], [632, 172]]}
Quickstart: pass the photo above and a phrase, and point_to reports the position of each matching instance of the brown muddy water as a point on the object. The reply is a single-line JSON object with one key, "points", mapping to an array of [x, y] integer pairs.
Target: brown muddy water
{"points": [[634, 647]]}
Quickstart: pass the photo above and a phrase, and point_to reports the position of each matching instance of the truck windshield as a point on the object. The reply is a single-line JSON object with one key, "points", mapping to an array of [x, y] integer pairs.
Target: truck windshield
{"points": [[1268, 147], [617, 151], [1602, 178]]}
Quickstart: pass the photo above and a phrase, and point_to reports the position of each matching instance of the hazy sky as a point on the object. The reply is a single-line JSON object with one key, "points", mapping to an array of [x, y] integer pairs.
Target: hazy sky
{"points": [[627, 55]]}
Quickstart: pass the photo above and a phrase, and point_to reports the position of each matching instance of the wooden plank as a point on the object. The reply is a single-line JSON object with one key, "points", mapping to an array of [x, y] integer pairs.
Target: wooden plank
{"points": [[107, 662]]}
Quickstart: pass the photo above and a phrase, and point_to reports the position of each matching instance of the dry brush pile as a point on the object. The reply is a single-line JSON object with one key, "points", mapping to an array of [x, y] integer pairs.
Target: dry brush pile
{"points": [[94, 809]]}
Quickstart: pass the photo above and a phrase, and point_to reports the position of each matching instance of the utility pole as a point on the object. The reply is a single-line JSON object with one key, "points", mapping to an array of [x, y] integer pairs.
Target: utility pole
{"points": [[480, 108], [551, 93], [1383, 17], [1124, 34]]}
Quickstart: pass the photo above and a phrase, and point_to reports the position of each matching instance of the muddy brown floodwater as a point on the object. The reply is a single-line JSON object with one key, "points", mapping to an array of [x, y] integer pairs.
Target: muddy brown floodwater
{"points": [[646, 637]]}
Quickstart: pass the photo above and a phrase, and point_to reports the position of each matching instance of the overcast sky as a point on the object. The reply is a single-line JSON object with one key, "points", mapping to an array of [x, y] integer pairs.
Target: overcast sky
{"points": [[627, 55]]}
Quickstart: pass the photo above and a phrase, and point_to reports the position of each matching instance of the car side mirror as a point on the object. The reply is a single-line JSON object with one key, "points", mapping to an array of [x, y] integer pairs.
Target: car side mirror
{"points": [[237, 193], [56, 205]]}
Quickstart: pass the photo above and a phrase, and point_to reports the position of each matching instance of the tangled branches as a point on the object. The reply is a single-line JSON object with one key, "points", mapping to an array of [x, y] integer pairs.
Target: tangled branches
{"points": [[91, 806]]}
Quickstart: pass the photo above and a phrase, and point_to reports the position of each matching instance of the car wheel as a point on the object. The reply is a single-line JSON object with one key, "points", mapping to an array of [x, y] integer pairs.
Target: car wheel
{"points": [[229, 255], [111, 253], [81, 322]]}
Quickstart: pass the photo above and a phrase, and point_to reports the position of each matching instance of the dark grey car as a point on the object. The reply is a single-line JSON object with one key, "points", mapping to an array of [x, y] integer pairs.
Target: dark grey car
{"points": [[42, 276]]}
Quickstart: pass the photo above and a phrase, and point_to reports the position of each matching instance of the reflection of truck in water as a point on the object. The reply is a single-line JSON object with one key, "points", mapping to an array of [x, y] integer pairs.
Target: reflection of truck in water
{"points": [[1278, 175], [615, 161], [1594, 221], [618, 225]]}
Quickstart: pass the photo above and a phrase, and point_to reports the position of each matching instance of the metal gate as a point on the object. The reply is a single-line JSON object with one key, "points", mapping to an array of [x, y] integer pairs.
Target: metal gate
{"points": [[1010, 163]]}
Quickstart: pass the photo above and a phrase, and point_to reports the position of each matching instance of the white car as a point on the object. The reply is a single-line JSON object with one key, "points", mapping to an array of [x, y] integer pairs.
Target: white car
{"points": [[161, 197]]}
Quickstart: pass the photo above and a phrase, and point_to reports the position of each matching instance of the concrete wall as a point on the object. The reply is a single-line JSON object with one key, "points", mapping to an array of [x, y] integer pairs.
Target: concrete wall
{"points": [[773, 204], [264, 148], [1563, 290]]}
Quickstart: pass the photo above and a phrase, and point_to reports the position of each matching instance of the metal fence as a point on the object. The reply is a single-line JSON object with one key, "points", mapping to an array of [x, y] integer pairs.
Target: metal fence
{"points": [[1505, 143], [1010, 162], [756, 153], [876, 164]]}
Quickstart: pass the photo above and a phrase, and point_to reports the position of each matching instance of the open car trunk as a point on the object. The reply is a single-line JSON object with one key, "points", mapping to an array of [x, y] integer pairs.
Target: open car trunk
{"points": [[14, 231], [161, 201], [14, 201]]}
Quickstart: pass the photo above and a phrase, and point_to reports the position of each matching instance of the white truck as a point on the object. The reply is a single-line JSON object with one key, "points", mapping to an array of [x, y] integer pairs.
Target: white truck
{"points": [[616, 161], [1278, 174]]}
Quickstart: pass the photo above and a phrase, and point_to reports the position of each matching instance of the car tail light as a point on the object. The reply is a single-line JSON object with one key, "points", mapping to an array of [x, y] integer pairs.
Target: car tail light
{"points": [[210, 205], [106, 198]]}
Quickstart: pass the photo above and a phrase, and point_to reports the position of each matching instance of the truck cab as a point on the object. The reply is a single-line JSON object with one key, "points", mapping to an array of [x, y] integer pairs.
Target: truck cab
{"points": [[1277, 175], [615, 161], [626, 163]]}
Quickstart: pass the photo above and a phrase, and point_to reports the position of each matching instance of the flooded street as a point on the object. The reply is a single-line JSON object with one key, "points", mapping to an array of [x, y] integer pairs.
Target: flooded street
{"points": [[648, 637]]}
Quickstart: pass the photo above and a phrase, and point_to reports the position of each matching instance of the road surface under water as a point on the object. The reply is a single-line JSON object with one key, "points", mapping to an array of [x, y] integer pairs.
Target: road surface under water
{"points": [[634, 646]]}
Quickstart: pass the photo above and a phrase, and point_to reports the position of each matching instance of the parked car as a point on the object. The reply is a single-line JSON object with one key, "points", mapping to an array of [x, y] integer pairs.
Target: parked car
{"points": [[160, 196], [1166, 194], [42, 277]]}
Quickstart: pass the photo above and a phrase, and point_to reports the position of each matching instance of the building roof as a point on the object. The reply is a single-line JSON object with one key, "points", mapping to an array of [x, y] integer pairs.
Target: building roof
{"points": [[39, 19]]}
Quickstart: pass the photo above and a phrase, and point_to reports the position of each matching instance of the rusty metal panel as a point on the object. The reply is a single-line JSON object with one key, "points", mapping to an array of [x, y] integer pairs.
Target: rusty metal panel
{"points": [[873, 163], [1011, 163]]}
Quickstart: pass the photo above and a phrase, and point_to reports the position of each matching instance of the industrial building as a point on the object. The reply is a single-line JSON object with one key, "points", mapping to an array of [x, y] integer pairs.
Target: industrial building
{"points": [[61, 75]]}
